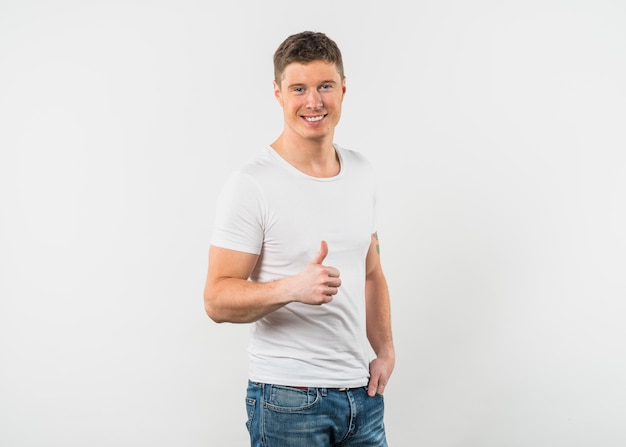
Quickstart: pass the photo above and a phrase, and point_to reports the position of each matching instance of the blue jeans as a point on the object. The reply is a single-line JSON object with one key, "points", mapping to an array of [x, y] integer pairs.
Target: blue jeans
{"points": [[284, 416]]}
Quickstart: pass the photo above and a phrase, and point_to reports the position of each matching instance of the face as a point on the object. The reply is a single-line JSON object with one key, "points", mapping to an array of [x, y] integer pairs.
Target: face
{"points": [[311, 96]]}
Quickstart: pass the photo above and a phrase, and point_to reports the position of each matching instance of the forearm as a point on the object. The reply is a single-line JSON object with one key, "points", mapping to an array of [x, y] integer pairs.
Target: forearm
{"points": [[378, 316], [237, 300]]}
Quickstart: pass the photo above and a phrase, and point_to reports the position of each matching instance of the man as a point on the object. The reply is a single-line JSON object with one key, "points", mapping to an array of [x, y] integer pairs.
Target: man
{"points": [[295, 252]]}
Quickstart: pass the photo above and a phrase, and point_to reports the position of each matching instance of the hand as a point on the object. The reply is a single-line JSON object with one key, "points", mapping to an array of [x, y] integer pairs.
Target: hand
{"points": [[317, 283], [380, 371]]}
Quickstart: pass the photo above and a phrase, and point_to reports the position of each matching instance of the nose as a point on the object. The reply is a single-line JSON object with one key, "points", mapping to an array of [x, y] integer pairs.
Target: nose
{"points": [[314, 100]]}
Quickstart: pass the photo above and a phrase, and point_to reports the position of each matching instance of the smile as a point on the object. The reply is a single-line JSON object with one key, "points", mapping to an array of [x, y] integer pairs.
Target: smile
{"points": [[313, 119]]}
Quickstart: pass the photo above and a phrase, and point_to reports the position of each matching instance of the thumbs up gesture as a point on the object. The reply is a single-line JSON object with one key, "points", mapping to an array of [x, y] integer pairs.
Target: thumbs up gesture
{"points": [[317, 283]]}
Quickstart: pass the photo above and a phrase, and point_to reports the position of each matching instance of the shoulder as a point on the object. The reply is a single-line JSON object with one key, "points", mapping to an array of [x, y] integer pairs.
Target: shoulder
{"points": [[249, 172], [354, 161], [351, 155], [262, 162]]}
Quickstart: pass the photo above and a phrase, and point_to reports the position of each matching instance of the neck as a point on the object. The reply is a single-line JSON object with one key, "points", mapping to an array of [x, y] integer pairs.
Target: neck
{"points": [[316, 158]]}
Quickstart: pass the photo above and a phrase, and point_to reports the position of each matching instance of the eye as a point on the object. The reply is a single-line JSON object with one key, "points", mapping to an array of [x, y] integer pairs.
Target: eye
{"points": [[326, 86], [298, 90]]}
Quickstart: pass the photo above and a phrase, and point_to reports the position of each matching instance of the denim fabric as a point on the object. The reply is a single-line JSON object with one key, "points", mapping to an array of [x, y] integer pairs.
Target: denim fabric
{"points": [[283, 416]]}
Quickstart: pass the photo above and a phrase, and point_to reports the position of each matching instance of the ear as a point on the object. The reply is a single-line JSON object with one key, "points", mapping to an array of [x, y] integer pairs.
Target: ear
{"points": [[343, 86], [277, 93]]}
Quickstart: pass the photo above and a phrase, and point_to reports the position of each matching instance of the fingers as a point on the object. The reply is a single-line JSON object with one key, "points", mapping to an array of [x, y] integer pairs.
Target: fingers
{"points": [[375, 386], [319, 259], [379, 376], [326, 277], [321, 255]]}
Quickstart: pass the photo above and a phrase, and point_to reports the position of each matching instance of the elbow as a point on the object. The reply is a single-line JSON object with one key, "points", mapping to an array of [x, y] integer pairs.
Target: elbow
{"points": [[213, 315], [211, 308], [219, 307]]}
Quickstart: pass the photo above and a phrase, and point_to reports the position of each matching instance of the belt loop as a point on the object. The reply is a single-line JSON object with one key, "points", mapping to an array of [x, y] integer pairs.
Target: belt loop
{"points": [[266, 390], [324, 391]]}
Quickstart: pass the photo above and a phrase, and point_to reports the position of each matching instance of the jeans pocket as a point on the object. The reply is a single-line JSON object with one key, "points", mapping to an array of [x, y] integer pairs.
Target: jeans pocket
{"points": [[289, 399]]}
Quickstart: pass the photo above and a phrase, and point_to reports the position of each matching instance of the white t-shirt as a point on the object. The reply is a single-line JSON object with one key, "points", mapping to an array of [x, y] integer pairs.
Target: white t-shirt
{"points": [[272, 209]]}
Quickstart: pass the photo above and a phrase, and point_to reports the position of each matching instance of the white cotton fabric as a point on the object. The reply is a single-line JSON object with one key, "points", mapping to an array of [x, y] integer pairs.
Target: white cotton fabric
{"points": [[272, 209]]}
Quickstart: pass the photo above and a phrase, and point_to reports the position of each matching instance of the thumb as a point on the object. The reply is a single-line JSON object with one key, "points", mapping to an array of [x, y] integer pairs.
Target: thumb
{"points": [[319, 258]]}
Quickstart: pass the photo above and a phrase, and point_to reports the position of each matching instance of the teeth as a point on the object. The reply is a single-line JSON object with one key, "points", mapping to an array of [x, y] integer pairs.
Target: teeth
{"points": [[313, 118]]}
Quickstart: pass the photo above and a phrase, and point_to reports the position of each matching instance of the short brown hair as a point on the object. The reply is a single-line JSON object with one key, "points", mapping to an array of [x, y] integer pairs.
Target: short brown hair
{"points": [[305, 47]]}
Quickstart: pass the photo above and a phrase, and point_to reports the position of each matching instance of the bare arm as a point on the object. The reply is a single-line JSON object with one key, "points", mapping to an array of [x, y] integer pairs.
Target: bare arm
{"points": [[378, 323], [230, 297]]}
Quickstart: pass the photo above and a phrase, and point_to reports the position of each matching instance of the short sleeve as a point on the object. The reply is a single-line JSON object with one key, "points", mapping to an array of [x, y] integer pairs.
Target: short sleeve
{"points": [[239, 215]]}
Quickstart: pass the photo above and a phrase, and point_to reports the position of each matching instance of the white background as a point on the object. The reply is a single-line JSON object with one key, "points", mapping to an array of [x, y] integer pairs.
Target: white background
{"points": [[498, 130]]}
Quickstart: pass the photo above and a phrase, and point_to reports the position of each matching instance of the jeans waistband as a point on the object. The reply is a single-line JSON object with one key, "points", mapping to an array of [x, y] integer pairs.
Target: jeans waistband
{"points": [[334, 389]]}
